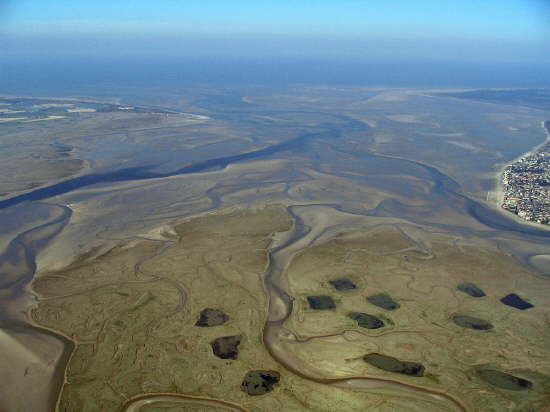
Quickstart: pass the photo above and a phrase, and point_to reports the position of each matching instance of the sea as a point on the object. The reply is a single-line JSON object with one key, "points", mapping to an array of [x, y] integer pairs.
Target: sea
{"points": [[59, 75]]}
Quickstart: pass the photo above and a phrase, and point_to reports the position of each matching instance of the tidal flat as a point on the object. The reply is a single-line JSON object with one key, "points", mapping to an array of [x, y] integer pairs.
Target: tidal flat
{"points": [[150, 296], [243, 205], [425, 330], [132, 312]]}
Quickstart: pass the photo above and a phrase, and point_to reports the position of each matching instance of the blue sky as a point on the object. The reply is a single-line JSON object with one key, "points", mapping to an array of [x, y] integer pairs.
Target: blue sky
{"points": [[472, 29]]}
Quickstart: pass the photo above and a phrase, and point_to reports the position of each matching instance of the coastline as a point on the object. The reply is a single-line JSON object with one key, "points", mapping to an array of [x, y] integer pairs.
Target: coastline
{"points": [[495, 197]]}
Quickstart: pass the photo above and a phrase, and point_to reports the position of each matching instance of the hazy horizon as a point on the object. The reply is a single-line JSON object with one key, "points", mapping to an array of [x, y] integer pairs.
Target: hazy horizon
{"points": [[75, 45], [114, 75], [507, 30]]}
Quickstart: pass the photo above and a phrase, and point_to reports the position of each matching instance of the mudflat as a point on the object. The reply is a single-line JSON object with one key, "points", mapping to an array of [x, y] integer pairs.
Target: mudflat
{"points": [[447, 334], [131, 313], [385, 250]]}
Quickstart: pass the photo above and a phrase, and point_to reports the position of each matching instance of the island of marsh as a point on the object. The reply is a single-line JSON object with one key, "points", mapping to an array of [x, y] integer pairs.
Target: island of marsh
{"points": [[142, 318], [427, 311], [146, 317]]}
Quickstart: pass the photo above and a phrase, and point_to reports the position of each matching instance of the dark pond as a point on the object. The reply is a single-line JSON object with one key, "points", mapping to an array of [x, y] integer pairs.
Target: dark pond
{"points": [[516, 302], [343, 284], [260, 382], [471, 289], [321, 302], [226, 347], [390, 364], [504, 380], [211, 317], [364, 320], [471, 322], [384, 301]]}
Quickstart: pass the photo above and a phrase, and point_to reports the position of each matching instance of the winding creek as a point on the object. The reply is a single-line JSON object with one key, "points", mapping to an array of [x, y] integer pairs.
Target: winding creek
{"points": [[18, 266], [280, 309], [135, 404], [19, 262]]}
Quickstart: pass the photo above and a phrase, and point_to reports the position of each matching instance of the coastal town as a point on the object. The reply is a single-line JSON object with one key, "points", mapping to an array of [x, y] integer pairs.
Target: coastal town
{"points": [[526, 185]]}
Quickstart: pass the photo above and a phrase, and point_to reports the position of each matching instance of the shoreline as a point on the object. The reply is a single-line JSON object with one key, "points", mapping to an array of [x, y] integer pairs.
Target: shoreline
{"points": [[495, 197]]}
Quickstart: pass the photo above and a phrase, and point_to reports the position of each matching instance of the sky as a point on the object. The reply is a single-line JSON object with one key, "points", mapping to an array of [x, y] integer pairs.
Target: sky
{"points": [[496, 30]]}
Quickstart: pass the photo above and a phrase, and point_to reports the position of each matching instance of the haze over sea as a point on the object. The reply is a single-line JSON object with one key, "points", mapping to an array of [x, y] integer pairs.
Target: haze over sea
{"points": [[77, 47], [100, 75]]}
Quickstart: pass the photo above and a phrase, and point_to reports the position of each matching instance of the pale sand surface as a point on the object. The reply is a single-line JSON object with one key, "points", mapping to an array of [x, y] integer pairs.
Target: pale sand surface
{"points": [[31, 363], [9, 111], [81, 110], [11, 119], [44, 119]]}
